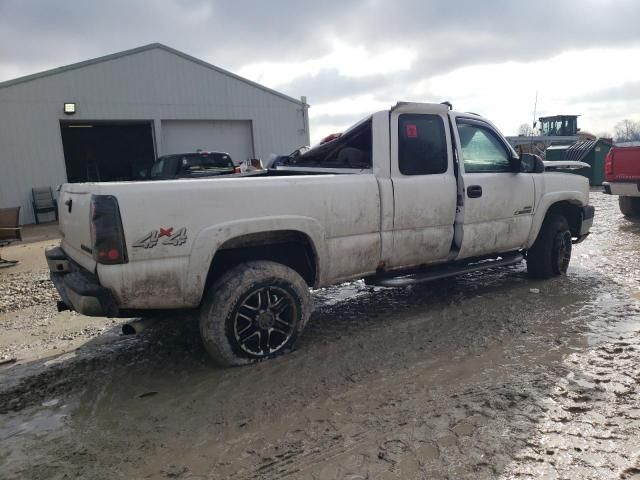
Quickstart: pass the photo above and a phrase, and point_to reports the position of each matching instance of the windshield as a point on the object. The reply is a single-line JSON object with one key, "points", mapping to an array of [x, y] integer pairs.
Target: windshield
{"points": [[156, 170]]}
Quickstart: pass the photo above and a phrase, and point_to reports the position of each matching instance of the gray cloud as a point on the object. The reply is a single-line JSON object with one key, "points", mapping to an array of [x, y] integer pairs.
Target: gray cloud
{"points": [[452, 34], [329, 84], [626, 92], [39, 34], [443, 34], [42, 33], [344, 119]]}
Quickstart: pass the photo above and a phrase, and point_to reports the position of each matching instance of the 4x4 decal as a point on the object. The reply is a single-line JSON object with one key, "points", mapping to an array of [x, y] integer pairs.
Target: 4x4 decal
{"points": [[151, 239]]}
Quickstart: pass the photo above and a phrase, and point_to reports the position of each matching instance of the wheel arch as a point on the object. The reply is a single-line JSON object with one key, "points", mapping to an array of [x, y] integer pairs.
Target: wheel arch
{"points": [[569, 208], [295, 242], [288, 247]]}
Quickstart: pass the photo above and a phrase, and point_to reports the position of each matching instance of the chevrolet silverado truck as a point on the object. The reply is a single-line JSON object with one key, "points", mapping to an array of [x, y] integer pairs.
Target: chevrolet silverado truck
{"points": [[410, 194], [622, 172]]}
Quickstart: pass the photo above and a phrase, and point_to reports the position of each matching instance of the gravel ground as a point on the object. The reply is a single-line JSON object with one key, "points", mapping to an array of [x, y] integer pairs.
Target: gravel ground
{"points": [[32, 327], [490, 375], [19, 291]]}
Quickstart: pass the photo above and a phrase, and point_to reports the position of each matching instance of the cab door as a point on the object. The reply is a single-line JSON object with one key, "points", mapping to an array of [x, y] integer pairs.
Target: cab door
{"points": [[498, 201], [424, 186]]}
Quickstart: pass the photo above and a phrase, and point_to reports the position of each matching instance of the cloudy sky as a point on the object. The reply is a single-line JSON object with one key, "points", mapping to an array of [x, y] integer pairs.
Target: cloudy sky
{"points": [[353, 57]]}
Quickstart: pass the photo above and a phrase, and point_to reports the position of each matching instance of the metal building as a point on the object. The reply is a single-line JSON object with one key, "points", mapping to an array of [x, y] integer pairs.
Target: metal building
{"points": [[105, 119]]}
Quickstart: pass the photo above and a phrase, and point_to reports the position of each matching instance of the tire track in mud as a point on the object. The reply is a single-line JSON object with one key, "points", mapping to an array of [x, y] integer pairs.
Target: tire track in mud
{"points": [[526, 398], [27, 384], [366, 308], [580, 419]]}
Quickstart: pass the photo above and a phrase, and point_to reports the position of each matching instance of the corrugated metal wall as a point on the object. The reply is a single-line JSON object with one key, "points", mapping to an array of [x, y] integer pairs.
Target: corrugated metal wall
{"points": [[153, 84], [234, 137]]}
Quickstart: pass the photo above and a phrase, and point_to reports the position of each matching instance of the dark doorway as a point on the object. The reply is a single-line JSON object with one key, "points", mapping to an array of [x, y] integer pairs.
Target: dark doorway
{"points": [[107, 151]]}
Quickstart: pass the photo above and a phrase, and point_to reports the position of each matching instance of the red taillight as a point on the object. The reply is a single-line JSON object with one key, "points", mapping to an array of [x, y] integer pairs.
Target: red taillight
{"points": [[107, 237], [608, 165]]}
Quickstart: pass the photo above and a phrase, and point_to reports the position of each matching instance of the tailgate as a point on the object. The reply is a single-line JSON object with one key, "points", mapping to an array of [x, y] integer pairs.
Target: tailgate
{"points": [[74, 205], [625, 164]]}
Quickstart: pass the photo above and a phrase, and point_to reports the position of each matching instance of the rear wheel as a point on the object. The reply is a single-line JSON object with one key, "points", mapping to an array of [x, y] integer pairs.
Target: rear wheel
{"points": [[254, 311], [629, 206], [550, 254]]}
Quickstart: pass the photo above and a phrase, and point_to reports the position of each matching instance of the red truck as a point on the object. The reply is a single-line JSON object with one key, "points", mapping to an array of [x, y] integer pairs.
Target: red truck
{"points": [[622, 171]]}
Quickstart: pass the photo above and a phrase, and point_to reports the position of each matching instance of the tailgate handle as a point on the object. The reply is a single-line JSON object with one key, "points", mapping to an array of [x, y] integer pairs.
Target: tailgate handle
{"points": [[69, 204], [474, 191]]}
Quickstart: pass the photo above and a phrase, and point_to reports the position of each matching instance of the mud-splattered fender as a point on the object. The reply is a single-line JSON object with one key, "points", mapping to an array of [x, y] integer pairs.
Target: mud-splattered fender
{"points": [[210, 239], [552, 188]]}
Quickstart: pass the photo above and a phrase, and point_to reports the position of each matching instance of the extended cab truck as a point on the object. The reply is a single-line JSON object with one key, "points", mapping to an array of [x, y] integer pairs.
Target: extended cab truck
{"points": [[622, 171], [410, 194]]}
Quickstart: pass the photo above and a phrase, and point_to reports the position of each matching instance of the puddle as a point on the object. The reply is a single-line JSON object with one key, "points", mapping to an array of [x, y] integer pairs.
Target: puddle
{"points": [[20, 433]]}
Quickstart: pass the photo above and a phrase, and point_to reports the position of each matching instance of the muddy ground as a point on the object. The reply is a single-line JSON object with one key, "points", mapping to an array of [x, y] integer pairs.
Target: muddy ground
{"points": [[490, 375]]}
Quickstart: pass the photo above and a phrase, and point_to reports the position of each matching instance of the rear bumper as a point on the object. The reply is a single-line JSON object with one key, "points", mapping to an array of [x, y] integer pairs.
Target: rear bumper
{"points": [[78, 288], [587, 214], [624, 189]]}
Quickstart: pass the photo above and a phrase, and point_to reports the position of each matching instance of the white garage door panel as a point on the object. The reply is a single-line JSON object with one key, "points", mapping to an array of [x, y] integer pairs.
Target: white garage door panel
{"points": [[231, 136]]}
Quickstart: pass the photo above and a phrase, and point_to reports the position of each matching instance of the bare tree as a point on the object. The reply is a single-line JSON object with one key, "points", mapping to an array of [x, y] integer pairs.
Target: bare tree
{"points": [[604, 134], [627, 131], [525, 130]]}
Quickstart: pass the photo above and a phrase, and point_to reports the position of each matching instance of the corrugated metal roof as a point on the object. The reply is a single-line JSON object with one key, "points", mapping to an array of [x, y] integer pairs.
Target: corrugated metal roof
{"points": [[558, 116], [134, 51], [579, 150]]}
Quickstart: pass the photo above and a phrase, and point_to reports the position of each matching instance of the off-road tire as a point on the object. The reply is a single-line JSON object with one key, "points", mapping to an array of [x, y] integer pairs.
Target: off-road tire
{"points": [[550, 254], [629, 206], [226, 296]]}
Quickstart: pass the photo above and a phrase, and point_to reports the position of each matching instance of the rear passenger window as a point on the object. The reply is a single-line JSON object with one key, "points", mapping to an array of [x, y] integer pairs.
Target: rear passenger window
{"points": [[422, 147]]}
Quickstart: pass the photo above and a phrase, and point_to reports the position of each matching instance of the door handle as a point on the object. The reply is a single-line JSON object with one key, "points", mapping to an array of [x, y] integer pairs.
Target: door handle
{"points": [[474, 191]]}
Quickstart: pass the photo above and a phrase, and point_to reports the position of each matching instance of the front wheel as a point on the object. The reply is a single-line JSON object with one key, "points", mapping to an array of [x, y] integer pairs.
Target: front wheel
{"points": [[629, 206], [254, 311], [551, 252]]}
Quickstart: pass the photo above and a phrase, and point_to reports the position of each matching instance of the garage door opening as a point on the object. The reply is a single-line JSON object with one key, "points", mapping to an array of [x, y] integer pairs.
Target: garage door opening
{"points": [[107, 151], [234, 137]]}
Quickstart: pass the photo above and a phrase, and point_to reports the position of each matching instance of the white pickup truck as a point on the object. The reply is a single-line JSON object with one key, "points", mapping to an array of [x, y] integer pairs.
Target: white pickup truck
{"points": [[410, 194]]}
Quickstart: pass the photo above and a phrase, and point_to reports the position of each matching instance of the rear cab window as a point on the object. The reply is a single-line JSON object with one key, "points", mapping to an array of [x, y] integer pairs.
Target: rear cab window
{"points": [[186, 164], [203, 162]]}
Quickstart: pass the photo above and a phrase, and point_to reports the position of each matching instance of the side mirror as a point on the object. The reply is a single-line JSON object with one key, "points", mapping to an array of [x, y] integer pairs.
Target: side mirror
{"points": [[530, 163]]}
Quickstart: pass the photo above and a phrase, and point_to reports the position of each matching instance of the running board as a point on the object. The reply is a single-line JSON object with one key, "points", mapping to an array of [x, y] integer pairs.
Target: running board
{"points": [[437, 273]]}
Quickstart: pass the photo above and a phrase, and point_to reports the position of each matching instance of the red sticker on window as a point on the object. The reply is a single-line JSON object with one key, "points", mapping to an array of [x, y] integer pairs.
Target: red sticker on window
{"points": [[411, 130]]}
